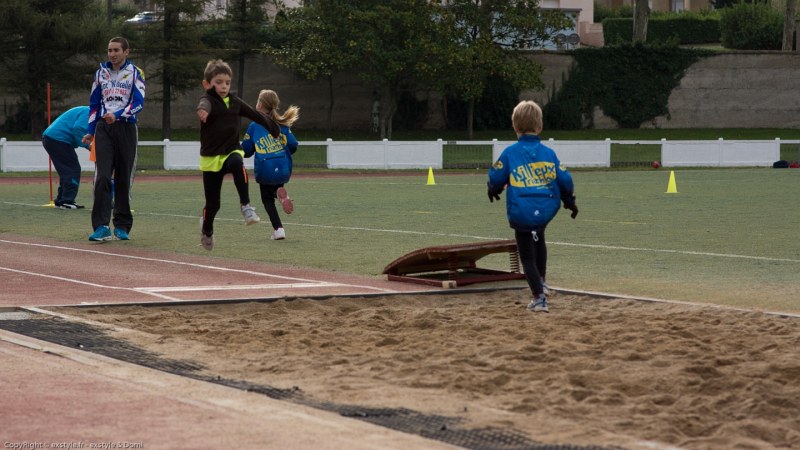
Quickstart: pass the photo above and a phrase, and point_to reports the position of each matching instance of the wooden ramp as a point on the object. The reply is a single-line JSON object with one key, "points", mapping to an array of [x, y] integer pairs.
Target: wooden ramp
{"points": [[451, 266]]}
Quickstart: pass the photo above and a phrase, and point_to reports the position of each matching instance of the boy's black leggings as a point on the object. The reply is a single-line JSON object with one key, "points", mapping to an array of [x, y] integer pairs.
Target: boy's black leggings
{"points": [[212, 186], [533, 255]]}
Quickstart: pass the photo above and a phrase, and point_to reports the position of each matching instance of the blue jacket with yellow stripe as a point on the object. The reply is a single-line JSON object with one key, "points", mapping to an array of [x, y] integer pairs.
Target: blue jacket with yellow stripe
{"points": [[536, 183], [273, 161]]}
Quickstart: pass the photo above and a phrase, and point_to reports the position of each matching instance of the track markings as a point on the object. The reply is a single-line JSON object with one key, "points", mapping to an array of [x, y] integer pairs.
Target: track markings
{"points": [[159, 292], [491, 238]]}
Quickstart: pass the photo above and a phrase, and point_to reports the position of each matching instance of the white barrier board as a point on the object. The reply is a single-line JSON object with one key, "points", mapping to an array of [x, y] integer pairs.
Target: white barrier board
{"points": [[25, 156], [570, 153]]}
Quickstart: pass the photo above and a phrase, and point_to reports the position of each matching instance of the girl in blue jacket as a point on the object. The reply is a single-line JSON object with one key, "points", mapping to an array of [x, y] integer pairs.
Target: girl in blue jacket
{"points": [[273, 157], [537, 184]]}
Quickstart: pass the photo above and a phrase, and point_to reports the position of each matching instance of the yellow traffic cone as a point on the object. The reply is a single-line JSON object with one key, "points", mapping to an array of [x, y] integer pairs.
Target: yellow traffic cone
{"points": [[431, 181], [672, 188]]}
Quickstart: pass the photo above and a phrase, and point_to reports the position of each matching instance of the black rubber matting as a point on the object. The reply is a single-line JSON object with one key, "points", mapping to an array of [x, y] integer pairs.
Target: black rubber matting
{"points": [[440, 428]]}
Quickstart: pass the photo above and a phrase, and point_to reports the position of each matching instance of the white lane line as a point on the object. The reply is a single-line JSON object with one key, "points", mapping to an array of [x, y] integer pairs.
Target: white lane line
{"points": [[237, 287], [682, 252], [183, 263], [491, 238], [86, 283], [566, 244]]}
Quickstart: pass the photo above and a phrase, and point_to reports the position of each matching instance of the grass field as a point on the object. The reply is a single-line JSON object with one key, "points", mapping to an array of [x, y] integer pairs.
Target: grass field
{"points": [[729, 236]]}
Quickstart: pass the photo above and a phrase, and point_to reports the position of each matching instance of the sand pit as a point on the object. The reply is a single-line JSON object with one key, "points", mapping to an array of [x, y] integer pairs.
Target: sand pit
{"points": [[592, 372]]}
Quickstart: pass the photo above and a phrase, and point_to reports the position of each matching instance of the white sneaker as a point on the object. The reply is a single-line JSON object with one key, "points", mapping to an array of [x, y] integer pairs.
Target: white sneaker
{"points": [[539, 304], [546, 288], [278, 234], [250, 216]]}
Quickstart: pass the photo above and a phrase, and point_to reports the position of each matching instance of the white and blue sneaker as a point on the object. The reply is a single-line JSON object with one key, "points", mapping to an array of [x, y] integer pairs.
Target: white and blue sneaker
{"points": [[539, 304], [120, 234], [250, 216], [101, 233]]}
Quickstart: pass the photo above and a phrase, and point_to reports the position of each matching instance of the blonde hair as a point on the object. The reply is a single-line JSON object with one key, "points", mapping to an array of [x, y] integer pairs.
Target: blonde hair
{"points": [[527, 117], [268, 100], [216, 67]]}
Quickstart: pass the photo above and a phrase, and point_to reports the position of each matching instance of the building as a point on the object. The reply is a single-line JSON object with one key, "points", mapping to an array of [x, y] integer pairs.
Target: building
{"points": [[585, 30], [663, 5]]}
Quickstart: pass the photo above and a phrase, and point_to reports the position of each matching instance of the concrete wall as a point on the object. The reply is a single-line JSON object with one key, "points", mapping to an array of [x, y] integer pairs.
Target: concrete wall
{"points": [[751, 90], [741, 90], [747, 90]]}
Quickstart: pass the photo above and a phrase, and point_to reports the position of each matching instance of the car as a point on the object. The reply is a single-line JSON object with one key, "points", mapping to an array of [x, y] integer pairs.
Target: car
{"points": [[144, 18]]}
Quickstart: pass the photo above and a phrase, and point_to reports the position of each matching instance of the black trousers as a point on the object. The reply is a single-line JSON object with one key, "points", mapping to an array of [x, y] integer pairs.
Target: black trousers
{"points": [[115, 156], [269, 192], [212, 187], [533, 255], [65, 160]]}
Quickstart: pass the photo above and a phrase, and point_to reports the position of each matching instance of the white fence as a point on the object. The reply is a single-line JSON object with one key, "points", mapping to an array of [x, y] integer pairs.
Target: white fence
{"points": [[28, 156], [571, 153], [720, 153]]}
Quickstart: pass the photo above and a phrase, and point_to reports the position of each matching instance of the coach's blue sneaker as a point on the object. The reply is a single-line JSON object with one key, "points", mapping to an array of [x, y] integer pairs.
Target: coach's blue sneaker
{"points": [[101, 233], [121, 234], [539, 304]]}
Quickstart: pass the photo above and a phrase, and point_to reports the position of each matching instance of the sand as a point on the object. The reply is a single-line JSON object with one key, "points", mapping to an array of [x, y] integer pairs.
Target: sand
{"points": [[591, 372]]}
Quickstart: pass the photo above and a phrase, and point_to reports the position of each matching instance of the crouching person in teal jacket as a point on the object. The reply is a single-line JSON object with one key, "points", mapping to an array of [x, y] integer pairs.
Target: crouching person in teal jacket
{"points": [[60, 140]]}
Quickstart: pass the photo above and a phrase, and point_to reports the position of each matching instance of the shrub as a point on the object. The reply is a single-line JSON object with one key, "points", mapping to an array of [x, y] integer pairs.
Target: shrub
{"points": [[751, 26], [681, 28], [638, 94], [602, 12]]}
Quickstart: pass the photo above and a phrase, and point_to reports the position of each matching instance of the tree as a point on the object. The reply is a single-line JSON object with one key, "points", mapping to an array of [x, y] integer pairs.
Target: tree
{"points": [[243, 31], [45, 41], [641, 15], [398, 44], [316, 42], [788, 26], [484, 38], [176, 40]]}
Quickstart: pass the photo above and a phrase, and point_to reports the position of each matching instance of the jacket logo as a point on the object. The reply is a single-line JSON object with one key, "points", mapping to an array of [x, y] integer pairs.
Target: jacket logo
{"points": [[535, 174]]}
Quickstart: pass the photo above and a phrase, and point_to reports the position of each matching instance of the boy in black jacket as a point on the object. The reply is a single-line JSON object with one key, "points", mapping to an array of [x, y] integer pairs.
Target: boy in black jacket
{"points": [[220, 152]]}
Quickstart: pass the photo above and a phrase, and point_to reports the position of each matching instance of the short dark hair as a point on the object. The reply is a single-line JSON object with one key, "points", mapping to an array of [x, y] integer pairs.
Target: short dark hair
{"points": [[216, 67], [120, 40]]}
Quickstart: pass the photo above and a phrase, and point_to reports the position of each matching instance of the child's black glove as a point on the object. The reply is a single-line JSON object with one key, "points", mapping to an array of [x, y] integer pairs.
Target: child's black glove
{"points": [[494, 194], [569, 203]]}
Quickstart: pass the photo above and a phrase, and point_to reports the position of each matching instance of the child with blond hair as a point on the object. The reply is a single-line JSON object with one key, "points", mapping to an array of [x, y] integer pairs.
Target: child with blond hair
{"points": [[537, 184], [273, 157]]}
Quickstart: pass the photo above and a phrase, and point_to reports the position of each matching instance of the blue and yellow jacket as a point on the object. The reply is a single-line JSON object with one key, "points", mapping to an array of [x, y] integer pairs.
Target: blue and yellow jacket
{"points": [[120, 92], [273, 161], [536, 183]]}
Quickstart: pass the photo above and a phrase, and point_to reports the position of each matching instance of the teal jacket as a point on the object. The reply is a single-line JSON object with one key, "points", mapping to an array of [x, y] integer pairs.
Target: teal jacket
{"points": [[70, 127]]}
